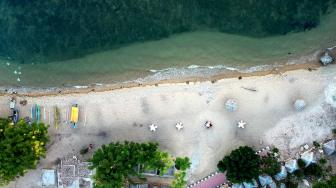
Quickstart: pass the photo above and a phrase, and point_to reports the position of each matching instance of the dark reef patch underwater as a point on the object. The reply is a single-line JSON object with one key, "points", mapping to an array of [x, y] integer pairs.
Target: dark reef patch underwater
{"points": [[50, 30]]}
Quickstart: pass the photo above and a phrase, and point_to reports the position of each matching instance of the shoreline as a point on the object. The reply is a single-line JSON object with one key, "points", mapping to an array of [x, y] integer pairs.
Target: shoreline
{"points": [[37, 92], [312, 63]]}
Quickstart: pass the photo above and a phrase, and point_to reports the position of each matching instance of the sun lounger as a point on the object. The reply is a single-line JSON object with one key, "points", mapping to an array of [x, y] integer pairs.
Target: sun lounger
{"points": [[36, 113], [74, 116]]}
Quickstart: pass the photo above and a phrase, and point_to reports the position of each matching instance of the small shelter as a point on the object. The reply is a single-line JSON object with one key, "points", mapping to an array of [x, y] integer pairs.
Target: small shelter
{"points": [[299, 104], [282, 174], [266, 181], [308, 158], [329, 147], [252, 184], [291, 165], [231, 105]]}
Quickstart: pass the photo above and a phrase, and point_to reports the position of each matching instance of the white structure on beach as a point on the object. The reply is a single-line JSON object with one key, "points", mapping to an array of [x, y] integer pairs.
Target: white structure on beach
{"points": [[153, 127], [179, 126], [241, 124], [329, 147], [291, 166]]}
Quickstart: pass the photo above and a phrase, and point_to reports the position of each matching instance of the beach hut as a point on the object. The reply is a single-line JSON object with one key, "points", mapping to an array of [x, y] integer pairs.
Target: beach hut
{"points": [[266, 181], [299, 104], [282, 174], [74, 116], [252, 184], [291, 165], [231, 105], [308, 158], [326, 58], [329, 147]]}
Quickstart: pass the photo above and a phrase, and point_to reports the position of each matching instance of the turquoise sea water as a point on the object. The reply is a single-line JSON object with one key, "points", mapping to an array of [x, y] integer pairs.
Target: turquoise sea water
{"points": [[202, 48]]}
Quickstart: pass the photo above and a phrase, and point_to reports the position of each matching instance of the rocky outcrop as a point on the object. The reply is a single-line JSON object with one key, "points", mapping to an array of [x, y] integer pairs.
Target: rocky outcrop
{"points": [[326, 58]]}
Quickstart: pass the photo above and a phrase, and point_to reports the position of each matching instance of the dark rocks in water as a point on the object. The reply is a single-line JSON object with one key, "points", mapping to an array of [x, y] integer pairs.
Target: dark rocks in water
{"points": [[326, 58]]}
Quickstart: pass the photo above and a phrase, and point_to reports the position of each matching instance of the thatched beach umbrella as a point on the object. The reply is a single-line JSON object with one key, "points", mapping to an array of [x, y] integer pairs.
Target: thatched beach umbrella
{"points": [[329, 147], [299, 104], [231, 105]]}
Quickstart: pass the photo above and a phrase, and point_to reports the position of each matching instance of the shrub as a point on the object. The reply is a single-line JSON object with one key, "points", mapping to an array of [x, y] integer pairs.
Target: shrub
{"points": [[316, 144]]}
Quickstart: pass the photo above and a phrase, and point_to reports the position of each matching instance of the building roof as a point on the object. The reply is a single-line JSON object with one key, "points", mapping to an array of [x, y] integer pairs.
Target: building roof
{"points": [[48, 177], [282, 174], [329, 147], [308, 158], [238, 185], [291, 165], [252, 184], [265, 180]]}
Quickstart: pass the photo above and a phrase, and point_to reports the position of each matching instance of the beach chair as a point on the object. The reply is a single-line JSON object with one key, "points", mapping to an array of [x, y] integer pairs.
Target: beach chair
{"points": [[15, 116], [74, 116], [36, 113]]}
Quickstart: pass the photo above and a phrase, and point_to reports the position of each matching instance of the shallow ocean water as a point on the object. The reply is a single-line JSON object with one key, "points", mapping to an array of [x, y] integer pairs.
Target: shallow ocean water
{"points": [[205, 49]]}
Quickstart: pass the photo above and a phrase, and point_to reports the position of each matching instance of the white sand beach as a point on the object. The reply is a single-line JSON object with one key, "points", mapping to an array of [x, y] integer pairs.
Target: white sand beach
{"points": [[125, 114]]}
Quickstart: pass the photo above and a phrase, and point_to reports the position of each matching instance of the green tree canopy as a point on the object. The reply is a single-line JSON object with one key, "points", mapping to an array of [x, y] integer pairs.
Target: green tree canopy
{"points": [[21, 147], [241, 165], [182, 163], [116, 162]]}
